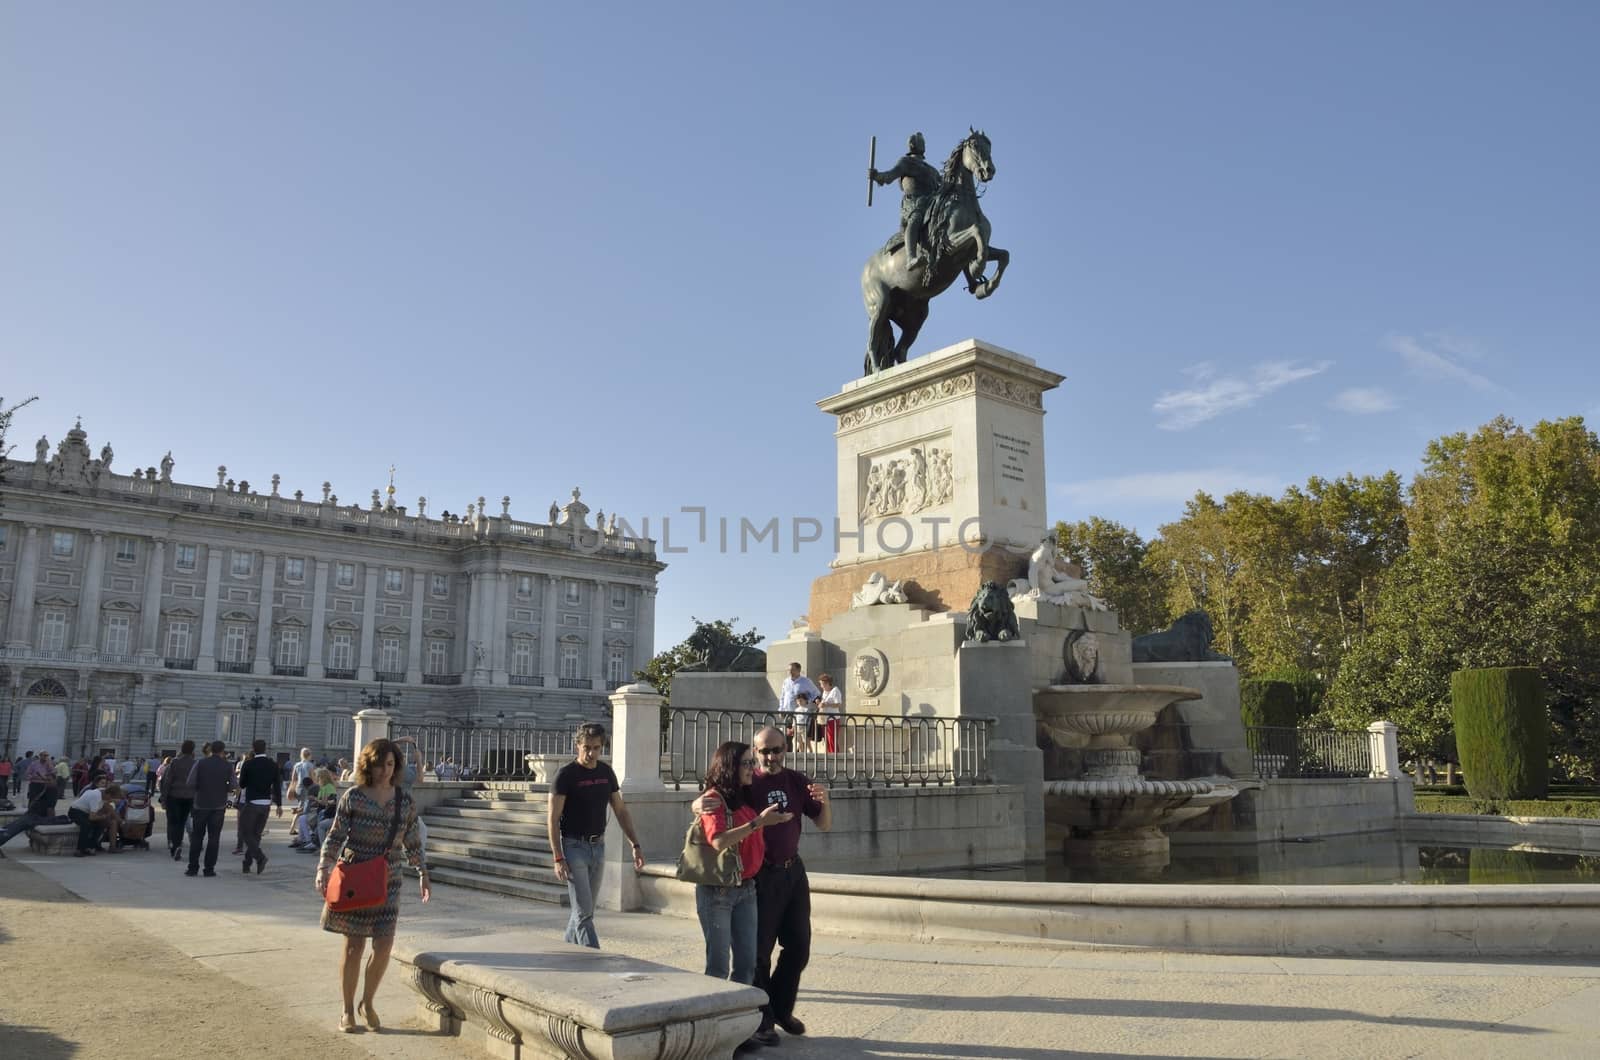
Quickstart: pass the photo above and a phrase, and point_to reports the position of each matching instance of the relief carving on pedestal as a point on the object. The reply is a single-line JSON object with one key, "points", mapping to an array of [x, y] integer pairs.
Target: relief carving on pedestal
{"points": [[908, 482], [954, 386]]}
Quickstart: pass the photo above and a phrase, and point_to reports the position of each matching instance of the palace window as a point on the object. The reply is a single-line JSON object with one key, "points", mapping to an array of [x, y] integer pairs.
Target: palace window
{"points": [[438, 656], [394, 580], [572, 660], [440, 585], [3, 532], [110, 719], [522, 657], [524, 585], [289, 647], [127, 550], [169, 726], [235, 644], [340, 652], [243, 563], [294, 569], [228, 726], [53, 631], [283, 726], [178, 640], [616, 666], [574, 593], [345, 576], [62, 543], [183, 557], [389, 654], [341, 731], [116, 642], [619, 596]]}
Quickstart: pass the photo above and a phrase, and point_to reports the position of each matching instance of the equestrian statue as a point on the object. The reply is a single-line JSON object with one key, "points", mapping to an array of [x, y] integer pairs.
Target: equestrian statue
{"points": [[943, 234]]}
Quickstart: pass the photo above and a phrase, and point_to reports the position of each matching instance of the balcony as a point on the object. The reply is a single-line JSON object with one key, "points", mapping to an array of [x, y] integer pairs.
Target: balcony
{"points": [[530, 680], [288, 671], [441, 679], [391, 677], [335, 674], [233, 667], [576, 682], [178, 664]]}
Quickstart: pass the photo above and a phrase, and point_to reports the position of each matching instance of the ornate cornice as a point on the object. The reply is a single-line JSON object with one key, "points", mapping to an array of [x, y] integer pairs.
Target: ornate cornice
{"points": [[934, 393]]}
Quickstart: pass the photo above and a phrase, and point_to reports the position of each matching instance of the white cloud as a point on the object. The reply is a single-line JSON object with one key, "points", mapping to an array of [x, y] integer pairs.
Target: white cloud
{"points": [[1440, 357], [1181, 409], [1167, 487], [1364, 400], [1308, 432]]}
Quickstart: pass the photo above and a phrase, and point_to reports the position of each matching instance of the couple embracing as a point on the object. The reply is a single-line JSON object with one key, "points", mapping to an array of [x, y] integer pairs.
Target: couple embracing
{"points": [[752, 801]]}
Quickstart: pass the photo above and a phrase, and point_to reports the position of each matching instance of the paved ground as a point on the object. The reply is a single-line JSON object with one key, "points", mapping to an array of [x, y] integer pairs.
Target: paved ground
{"points": [[201, 962]]}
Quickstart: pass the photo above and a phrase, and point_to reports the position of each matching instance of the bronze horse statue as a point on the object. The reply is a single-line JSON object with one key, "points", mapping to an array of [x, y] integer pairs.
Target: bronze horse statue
{"points": [[958, 238]]}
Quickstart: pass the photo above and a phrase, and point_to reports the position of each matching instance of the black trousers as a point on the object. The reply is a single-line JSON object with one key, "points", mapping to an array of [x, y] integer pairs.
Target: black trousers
{"points": [[783, 918], [207, 825], [20, 825], [177, 818], [252, 822], [88, 831]]}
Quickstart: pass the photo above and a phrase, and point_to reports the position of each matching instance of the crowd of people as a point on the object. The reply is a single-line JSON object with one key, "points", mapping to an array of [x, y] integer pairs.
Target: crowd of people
{"points": [[750, 801]]}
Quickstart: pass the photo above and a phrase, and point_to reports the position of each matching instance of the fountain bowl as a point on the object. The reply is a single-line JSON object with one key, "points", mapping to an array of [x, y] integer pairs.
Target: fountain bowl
{"points": [[1106, 714]]}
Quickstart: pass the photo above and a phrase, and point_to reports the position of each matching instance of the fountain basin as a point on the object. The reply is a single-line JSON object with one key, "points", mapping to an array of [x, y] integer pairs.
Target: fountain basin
{"points": [[1107, 714]]}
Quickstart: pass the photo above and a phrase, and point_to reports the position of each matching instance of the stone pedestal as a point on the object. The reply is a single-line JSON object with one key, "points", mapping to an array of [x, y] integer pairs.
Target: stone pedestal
{"points": [[371, 724], [992, 681]]}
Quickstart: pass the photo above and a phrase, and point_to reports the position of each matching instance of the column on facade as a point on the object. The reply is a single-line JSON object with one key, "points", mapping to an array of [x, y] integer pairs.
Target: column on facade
{"points": [[89, 596], [644, 632], [597, 634], [22, 591], [476, 589], [207, 661], [269, 576], [497, 627], [315, 666], [414, 639], [547, 632], [150, 611], [369, 624]]}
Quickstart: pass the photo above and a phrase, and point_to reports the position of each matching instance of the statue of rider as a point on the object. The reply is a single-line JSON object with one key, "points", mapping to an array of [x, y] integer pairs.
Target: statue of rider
{"points": [[918, 181]]}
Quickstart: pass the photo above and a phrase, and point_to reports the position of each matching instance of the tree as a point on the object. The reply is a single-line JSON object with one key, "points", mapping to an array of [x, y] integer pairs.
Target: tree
{"points": [[660, 670], [5, 446], [1115, 560]]}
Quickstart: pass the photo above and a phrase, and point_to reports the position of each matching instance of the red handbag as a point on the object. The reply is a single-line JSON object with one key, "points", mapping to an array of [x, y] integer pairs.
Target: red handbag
{"points": [[362, 884]]}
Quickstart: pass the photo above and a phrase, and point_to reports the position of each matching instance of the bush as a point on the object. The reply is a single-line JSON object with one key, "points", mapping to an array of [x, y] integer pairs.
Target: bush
{"points": [[1589, 809], [1502, 733], [1308, 688], [1271, 703], [1501, 866]]}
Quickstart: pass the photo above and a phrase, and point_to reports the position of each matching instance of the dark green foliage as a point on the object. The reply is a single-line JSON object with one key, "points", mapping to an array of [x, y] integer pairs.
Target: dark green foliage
{"points": [[1502, 732], [1501, 866], [1571, 807], [1308, 688], [1267, 703]]}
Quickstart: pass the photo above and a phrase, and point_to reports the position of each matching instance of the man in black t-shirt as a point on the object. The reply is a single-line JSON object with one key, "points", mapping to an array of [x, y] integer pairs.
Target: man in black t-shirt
{"points": [[583, 790]]}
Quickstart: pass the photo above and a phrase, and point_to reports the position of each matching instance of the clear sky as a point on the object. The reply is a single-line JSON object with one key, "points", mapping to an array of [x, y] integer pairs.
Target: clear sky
{"points": [[514, 247]]}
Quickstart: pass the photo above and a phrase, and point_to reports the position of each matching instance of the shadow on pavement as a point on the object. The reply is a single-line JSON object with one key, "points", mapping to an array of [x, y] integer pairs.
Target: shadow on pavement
{"points": [[34, 1043], [1177, 1010], [844, 1047]]}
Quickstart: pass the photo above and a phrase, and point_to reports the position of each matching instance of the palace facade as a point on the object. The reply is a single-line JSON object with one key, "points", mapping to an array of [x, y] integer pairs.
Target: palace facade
{"points": [[137, 611]]}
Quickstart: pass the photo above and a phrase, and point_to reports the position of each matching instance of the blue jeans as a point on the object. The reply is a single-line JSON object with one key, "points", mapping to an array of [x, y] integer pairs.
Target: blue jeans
{"points": [[586, 862], [728, 921]]}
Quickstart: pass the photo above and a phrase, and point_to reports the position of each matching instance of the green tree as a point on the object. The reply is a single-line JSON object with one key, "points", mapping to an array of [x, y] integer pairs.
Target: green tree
{"points": [[659, 671], [1115, 559]]}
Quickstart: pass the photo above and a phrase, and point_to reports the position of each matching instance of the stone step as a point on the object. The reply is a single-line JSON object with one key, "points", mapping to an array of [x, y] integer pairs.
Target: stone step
{"points": [[472, 881], [494, 806], [516, 818], [487, 833], [538, 793], [463, 847], [504, 870]]}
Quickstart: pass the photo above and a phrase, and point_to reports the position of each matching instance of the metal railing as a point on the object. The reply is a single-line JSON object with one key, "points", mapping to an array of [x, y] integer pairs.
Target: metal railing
{"points": [[483, 752], [574, 682], [862, 750], [1284, 753], [177, 664], [441, 679], [532, 680], [339, 673]]}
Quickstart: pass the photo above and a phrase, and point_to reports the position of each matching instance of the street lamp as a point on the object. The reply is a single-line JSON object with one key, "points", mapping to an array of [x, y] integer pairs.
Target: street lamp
{"points": [[254, 704], [382, 701]]}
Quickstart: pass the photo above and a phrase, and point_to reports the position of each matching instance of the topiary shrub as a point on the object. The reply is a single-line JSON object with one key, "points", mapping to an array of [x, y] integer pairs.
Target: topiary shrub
{"points": [[1308, 688], [1502, 733], [1263, 702]]}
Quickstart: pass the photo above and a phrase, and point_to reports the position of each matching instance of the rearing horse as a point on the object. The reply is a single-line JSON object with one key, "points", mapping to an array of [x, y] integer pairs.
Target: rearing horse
{"points": [[958, 234]]}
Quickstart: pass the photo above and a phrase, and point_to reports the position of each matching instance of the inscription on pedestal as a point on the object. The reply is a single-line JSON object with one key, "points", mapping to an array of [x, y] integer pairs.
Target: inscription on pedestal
{"points": [[1013, 468]]}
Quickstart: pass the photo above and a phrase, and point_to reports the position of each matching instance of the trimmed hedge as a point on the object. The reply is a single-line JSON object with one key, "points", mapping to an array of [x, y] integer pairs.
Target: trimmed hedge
{"points": [[1581, 808], [1267, 703], [1502, 731], [1308, 687]]}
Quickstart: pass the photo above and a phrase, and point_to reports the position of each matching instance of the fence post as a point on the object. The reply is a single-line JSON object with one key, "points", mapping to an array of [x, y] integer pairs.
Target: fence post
{"points": [[1385, 749], [636, 737], [371, 724]]}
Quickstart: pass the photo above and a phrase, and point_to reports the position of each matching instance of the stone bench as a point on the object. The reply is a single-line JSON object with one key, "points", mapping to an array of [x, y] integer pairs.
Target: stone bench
{"points": [[53, 839], [519, 996]]}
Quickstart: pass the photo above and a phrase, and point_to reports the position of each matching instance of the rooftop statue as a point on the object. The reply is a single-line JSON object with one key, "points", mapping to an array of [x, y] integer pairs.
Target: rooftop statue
{"points": [[943, 235]]}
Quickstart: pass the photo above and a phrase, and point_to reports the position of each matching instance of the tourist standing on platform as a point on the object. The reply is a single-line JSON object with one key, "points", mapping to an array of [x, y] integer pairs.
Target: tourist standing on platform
{"points": [[832, 707], [728, 914], [177, 797], [211, 778], [577, 824], [260, 787], [365, 826], [793, 685], [783, 908]]}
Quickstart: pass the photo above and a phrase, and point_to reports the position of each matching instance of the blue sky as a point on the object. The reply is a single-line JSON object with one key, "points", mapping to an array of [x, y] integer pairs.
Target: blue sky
{"points": [[513, 248]]}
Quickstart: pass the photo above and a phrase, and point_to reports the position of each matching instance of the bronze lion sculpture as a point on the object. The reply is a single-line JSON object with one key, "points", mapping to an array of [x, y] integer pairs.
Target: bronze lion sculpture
{"points": [[991, 616], [1186, 640]]}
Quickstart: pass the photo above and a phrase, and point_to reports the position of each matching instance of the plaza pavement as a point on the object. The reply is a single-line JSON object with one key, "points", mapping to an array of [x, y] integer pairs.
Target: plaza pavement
{"points": [[871, 998]]}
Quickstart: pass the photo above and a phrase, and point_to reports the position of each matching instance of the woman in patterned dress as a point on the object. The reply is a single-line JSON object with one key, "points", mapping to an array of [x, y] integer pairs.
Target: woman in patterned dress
{"points": [[361, 823]]}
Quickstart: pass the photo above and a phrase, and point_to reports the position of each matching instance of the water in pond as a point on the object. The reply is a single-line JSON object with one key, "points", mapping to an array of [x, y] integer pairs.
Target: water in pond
{"points": [[1383, 858]]}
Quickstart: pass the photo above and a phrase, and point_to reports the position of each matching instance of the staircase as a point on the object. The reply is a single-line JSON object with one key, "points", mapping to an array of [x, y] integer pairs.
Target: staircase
{"points": [[495, 840]]}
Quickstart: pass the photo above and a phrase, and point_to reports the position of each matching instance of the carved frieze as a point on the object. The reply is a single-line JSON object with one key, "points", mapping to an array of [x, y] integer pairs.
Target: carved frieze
{"points": [[941, 390], [909, 481], [1015, 391]]}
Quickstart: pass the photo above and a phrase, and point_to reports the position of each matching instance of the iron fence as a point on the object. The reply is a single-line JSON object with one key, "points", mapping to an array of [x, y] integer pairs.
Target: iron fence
{"points": [[852, 750], [1305, 753], [482, 752]]}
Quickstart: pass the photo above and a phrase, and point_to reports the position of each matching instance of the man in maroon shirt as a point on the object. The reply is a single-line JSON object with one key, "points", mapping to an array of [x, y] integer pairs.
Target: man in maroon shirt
{"points": [[783, 892]]}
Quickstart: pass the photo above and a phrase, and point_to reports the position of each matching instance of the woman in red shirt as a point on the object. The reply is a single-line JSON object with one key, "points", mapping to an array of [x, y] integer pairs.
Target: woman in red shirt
{"points": [[728, 914]]}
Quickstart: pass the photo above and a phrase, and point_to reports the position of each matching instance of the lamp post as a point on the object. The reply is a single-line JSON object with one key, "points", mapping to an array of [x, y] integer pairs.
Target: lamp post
{"points": [[254, 704], [382, 700]]}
